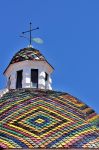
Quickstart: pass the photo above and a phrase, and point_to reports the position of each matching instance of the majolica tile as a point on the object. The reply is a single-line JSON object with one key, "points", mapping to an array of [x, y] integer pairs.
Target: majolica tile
{"points": [[54, 120]]}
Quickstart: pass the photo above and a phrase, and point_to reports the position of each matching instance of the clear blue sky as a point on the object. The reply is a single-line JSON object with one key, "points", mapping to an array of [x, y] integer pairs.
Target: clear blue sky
{"points": [[70, 30]]}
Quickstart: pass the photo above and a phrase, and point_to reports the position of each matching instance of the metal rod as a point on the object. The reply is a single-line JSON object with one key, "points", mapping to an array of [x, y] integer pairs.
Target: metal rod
{"points": [[30, 33]]}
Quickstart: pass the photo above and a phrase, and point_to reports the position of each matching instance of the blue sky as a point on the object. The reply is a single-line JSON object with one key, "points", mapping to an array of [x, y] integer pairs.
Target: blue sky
{"points": [[70, 30]]}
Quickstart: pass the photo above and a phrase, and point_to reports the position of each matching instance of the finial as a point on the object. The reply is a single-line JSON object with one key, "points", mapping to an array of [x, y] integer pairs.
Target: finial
{"points": [[30, 32], [30, 46]]}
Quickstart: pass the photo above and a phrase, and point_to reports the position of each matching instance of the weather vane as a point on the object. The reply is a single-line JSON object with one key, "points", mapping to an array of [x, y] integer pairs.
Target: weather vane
{"points": [[37, 40]]}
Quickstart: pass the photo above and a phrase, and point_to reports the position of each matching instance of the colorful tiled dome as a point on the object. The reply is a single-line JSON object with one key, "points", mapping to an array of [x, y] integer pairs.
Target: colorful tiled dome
{"points": [[33, 118], [28, 53]]}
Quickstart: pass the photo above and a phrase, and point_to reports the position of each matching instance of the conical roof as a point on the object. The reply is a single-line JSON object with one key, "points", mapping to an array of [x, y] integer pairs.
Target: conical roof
{"points": [[27, 53], [33, 118]]}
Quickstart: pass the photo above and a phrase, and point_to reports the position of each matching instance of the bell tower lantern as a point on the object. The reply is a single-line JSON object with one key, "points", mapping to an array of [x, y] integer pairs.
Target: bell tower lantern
{"points": [[29, 69]]}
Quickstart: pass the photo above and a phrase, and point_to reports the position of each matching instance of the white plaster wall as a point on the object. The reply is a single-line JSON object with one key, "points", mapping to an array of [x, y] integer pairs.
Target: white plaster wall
{"points": [[48, 83], [26, 66]]}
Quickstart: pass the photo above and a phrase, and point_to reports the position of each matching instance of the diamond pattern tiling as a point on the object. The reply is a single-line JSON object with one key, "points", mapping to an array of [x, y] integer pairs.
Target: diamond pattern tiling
{"points": [[32, 118]]}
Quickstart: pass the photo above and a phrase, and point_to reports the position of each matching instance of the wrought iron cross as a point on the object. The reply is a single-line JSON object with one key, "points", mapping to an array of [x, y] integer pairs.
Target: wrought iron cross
{"points": [[30, 31]]}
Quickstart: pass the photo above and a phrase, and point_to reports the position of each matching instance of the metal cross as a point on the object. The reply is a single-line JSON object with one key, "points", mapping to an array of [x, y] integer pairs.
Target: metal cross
{"points": [[30, 31]]}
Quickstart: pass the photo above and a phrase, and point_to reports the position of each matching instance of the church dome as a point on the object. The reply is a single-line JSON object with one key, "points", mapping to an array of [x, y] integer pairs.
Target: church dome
{"points": [[35, 118], [29, 68], [28, 53]]}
